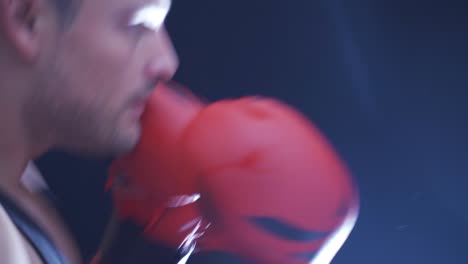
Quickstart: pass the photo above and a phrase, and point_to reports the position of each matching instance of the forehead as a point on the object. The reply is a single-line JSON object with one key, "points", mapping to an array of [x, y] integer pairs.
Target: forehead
{"points": [[138, 5], [104, 7], [148, 13]]}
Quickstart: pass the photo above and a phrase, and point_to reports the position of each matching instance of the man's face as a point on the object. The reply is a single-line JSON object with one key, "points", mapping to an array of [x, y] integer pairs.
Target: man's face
{"points": [[97, 72]]}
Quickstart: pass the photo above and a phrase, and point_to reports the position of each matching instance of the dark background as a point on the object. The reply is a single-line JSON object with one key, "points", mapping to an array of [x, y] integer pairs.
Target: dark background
{"points": [[384, 79]]}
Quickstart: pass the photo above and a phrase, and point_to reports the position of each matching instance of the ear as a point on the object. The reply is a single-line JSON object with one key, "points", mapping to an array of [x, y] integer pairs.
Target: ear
{"points": [[18, 23]]}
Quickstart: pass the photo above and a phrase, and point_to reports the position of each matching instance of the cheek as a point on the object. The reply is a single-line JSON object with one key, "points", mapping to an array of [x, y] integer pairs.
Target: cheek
{"points": [[107, 45], [104, 70]]}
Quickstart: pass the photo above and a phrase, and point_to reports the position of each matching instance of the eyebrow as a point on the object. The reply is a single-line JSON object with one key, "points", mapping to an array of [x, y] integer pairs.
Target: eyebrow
{"points": [[151, 15]]}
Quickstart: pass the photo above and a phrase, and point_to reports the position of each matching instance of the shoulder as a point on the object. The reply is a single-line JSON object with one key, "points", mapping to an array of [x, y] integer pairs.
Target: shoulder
{"points": [[13, 248]]}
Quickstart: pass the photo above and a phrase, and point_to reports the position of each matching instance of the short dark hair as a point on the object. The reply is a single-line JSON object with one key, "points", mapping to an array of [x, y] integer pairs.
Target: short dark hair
{"points": [[66, 8]]}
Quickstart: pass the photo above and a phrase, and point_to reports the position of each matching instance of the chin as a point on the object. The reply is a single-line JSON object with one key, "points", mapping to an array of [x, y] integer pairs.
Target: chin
{"points": [[126, 142], [114, 143]]}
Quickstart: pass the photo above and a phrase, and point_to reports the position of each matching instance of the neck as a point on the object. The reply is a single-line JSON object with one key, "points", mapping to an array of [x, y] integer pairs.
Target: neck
{"points": [[17, 144]]}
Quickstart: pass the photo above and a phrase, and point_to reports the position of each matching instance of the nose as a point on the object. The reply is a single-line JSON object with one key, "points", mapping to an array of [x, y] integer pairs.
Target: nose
{"points": [[164, 62]]}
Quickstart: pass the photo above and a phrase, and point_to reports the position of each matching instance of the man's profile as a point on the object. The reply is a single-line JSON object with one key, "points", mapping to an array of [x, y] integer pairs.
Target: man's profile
{"points": [[74, 76], [77, 76]]}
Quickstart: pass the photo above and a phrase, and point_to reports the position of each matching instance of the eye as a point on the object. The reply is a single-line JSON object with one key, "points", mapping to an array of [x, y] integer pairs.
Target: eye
{"points": [[138, 30], [150, 17]]}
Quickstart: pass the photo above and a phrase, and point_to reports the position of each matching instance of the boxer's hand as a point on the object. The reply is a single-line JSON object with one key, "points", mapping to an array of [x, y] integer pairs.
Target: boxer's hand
{"points": [[272, 187], [144, 181]]}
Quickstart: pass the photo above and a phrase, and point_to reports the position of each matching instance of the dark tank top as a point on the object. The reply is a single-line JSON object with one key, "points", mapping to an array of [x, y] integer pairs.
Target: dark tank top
{"points": [[32, 232]]}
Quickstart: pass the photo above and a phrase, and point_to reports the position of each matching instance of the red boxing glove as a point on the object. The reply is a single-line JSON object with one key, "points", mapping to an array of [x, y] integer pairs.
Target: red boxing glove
{"points": [[272, 187], [146, 181]]}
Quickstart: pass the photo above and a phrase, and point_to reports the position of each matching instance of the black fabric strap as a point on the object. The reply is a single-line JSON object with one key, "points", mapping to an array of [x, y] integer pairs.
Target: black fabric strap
{"points": [[43, 245]]}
